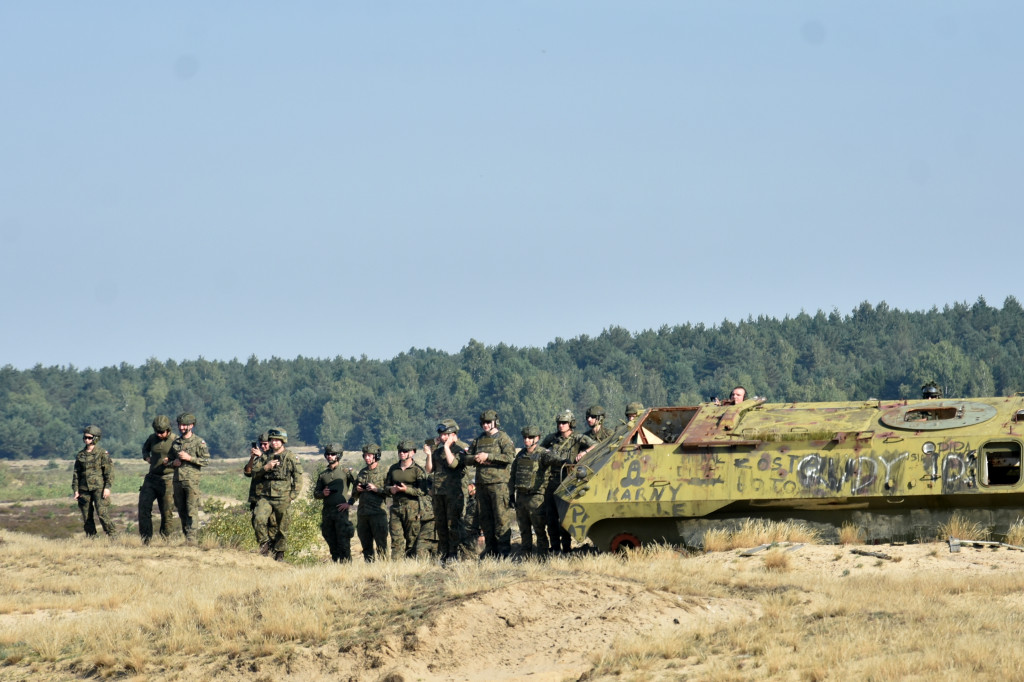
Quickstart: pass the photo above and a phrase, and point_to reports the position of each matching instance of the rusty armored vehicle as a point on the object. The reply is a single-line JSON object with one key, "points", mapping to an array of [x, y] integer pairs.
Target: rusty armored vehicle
{"points": [[897, 470]]}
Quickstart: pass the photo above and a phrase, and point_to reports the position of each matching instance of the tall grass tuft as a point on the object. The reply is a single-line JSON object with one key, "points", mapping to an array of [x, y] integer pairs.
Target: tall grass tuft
{"points": [[961, 528], [755, 532], [849, 534]]}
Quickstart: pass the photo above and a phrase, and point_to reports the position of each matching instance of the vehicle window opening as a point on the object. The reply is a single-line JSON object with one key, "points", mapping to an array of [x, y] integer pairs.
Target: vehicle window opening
{"points": [[927, 415], [662, 426], [1002, 462]]}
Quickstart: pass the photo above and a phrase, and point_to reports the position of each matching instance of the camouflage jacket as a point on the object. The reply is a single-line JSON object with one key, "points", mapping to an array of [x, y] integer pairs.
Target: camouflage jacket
{"points": [[601, 436], [156, 451], [93, 471], [414, 478], [338, 480], [280, 481], [196, 448], [449, 478], [371, 503], [500, 452], [565, 448]]}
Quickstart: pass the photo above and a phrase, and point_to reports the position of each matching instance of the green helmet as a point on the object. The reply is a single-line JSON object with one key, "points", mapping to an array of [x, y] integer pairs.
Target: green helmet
{"points": [[161, 423], [634, 408], [447, 426], [530, 431], [372, 449], [333, 449], [931, 391], [94, 431], [278, 434], [186, 418], [264, 437], [566, 416], [597, 412], [407, 445], [489, 416]]}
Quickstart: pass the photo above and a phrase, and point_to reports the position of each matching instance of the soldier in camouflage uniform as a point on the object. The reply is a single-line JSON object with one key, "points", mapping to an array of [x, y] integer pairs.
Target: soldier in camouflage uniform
{"points": [[404, 482], [595, 419], [158, 485], [445, 462], [426, 541], [491, 454], [531, 470], [568, 447], [281, 475], [334, 522], [470, 524], [189, 455], [262, 447], [371, 516], [91, 483]]}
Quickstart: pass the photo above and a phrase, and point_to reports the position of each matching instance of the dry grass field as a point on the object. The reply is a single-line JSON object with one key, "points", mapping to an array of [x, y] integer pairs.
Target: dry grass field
{"points": [[113, 609]]}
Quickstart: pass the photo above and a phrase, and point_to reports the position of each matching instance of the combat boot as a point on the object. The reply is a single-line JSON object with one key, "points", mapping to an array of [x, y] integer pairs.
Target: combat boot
{"points": [[265, 548], [278, 556]]}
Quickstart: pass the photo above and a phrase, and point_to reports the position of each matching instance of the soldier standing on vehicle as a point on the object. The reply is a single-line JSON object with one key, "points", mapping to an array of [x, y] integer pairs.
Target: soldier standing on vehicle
{"points": [[158, 485], [405, 483], [445, 462], [531, 470], [91, 483], [189, 455], [281, 475], [595, 419], [568, 447], [371, 516], [331, 487], [491, 454]]}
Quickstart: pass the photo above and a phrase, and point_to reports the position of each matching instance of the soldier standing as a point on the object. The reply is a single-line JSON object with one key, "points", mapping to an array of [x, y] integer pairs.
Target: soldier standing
{"points": [[491, 454], [371, 516], [426, 541], [568, 447], [405, 483], [595, 419], [258, 449], [470, 524], [334, 522], [189, 455], [158, 485], [281, 475], [445, 462], [92, 481], [531, 469]]}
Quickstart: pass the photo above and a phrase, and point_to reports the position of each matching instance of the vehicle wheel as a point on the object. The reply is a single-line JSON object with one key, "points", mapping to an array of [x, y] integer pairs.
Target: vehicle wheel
{"points": [[624, 541]]}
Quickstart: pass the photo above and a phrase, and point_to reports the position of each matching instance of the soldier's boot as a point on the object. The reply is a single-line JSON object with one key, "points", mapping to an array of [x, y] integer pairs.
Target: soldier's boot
{"points": [[278, 556], [265, 548]]}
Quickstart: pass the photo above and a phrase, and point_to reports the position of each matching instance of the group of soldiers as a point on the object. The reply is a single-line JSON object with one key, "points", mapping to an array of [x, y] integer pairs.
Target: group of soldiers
{"points": [[435, 509], [172, 480]]}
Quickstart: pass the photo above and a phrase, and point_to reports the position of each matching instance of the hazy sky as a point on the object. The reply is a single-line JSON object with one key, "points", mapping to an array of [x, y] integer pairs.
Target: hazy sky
{"points": [[367, 177]]}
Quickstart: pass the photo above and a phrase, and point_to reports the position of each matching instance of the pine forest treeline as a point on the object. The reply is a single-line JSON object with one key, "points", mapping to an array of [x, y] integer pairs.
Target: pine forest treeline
{"points": [[875, 351]]}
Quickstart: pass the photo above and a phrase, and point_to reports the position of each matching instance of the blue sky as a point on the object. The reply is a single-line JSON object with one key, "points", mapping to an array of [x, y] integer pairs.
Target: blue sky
{"points": [[363, 178]]}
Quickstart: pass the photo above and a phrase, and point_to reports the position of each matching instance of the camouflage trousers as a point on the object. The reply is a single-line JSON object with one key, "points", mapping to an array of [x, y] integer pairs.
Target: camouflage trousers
{"points": [[92, 506], [186, 501], [405, 529], [373, 530], [276, 508], [160, 490], [532, 519], [448, 522], [337, 531], [271, 525], [493, 508], [560, 538], [426, 541]]}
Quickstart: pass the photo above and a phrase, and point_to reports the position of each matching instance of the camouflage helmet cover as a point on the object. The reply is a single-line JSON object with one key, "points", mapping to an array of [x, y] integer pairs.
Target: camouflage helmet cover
{"points": [[596, 411], [407, 445], [333, 449], [566, 416], [634, 409], [161, 423], [93, 430], [277, 434], [447, 426], [186, 418], [264, 437], [372, 449], [489, 416], [530, 431], [931, 390]]}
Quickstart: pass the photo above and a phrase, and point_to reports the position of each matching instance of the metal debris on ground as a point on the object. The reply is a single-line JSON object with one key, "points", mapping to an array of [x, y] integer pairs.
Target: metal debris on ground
{"points": [[955, 544], [877, 555]]}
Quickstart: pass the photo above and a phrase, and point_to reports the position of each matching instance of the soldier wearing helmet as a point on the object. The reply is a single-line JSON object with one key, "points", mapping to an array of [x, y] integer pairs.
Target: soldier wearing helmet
{"points": [[445, 462], [158, 485], [568, 447], [492, 453], [595, 420], [278, 476], [531, 471], [91, 482], [331, 487], [188, 456], [371, 515], [931, 391], [405, 482]]}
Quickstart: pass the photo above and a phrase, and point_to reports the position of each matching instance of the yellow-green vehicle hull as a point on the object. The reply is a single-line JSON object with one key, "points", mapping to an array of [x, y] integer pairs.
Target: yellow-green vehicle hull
{"points": [[897, 470]]}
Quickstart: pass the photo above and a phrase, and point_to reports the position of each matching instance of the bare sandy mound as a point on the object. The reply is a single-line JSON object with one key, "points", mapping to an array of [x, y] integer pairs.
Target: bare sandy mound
{"points": [[541, 630]]}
